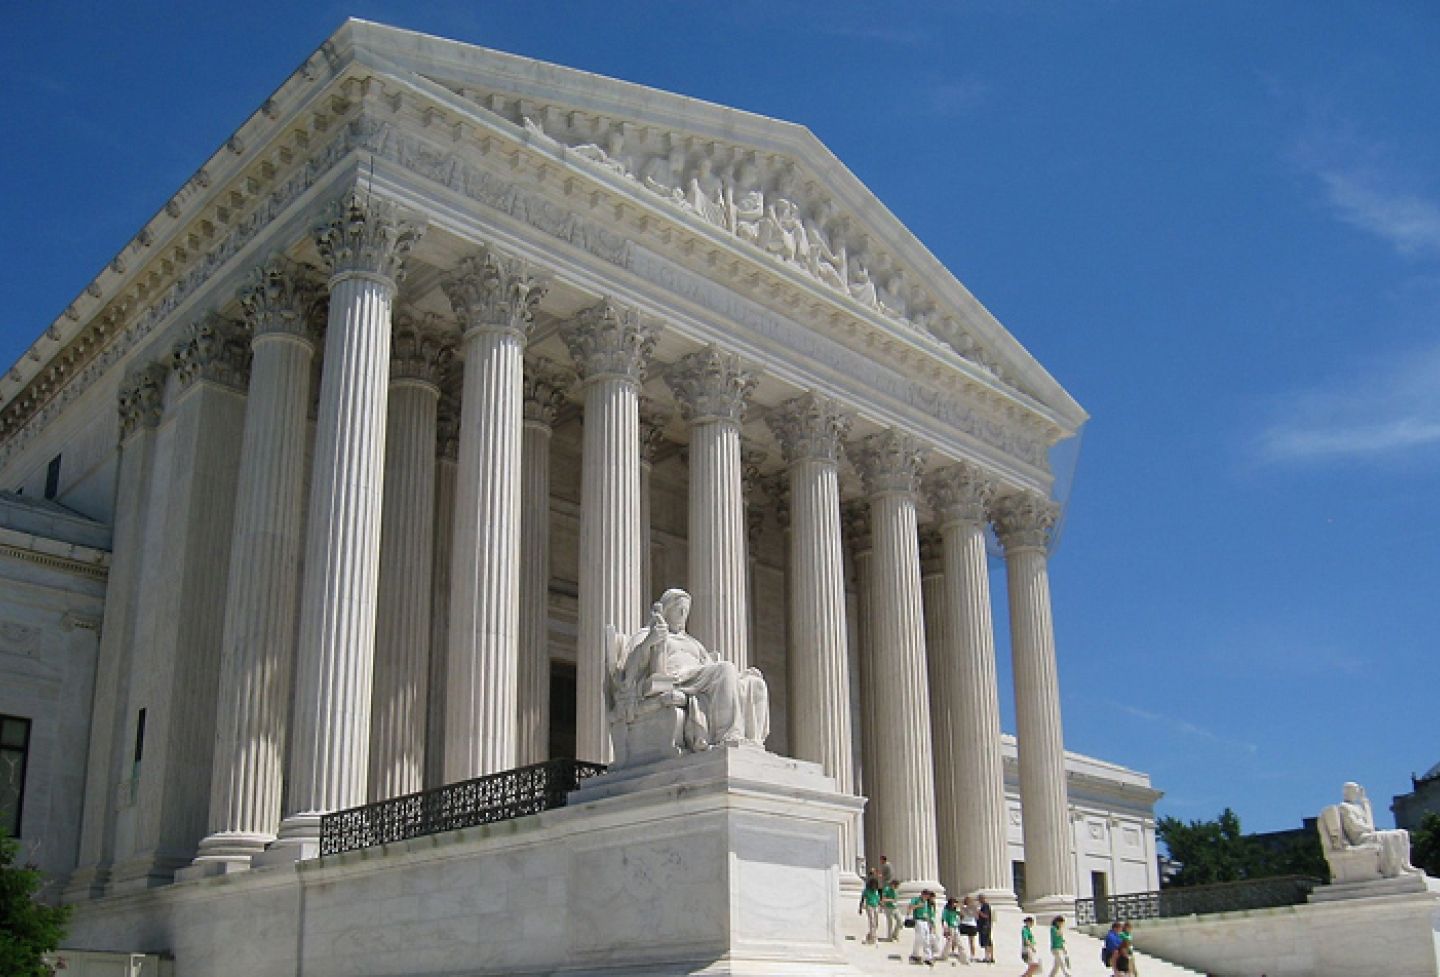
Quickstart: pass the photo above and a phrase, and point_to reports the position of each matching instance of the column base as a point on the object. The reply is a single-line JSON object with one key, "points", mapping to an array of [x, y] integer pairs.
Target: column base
{"points": [[1047, 907], [913, 887], [223, 853], [1001, 898], [297, 841], [86, 884]]}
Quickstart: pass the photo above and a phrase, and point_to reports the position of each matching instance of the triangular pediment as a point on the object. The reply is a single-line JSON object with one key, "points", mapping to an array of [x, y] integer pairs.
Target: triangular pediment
{"points": [[771, 185]]}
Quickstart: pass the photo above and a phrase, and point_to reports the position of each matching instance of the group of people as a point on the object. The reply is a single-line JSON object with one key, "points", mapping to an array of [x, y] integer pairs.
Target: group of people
{"points": [[953, 932]]}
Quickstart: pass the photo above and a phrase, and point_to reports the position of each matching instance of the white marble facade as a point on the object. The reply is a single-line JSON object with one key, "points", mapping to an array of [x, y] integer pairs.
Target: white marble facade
{"points": [[322, 398]]}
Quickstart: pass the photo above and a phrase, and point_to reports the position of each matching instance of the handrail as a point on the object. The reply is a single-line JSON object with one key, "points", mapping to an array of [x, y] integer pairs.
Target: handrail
{"points": [[1280, 890], [483, 800]]}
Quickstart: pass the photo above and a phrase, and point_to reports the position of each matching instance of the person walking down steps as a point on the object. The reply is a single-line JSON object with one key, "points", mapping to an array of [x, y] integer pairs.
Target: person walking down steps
{"points": [[870, 905]]}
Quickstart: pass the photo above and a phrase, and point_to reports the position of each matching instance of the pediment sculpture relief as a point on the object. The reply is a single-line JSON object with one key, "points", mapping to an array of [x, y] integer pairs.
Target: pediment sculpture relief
{"points": [[795, 225], [667, 694]]}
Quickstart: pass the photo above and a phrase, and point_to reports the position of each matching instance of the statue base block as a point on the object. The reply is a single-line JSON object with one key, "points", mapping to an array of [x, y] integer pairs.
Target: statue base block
{"points": [[724, 862]]}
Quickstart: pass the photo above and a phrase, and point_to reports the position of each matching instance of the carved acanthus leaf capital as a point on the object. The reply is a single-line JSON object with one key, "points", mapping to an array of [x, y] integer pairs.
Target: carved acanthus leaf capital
{"points": [[361, 235], [711, 385], [1025, 520], [810, 428], [889, 461], [609, 340], [653, 419], [960, 493], [493, 292], [215, 349], [142, 398], [546, 387], [932, 551], [281, 298], [421, 347]]}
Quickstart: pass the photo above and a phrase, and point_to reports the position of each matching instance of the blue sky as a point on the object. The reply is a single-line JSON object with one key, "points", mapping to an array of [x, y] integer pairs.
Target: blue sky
{"points": [[1217, 224]]}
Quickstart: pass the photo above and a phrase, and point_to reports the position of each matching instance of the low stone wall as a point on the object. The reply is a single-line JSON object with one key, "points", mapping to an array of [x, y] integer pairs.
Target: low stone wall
{"points": [[1397, 935], [641, 874]]}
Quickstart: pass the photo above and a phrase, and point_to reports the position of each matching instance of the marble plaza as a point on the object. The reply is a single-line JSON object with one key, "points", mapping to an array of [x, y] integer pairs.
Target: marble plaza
{"points": [[343, 479]]}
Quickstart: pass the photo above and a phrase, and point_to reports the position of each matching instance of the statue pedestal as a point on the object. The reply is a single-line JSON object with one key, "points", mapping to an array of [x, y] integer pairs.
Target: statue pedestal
{"points": [[721, 862], [1404, 885]]}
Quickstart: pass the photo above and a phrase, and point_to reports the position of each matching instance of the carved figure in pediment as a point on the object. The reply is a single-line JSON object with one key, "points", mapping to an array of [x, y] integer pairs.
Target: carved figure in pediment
{"points": [[609, 157], [860, 287], [828, 264], [782, 233], [746, 204], [706, 195], [661, 174]]}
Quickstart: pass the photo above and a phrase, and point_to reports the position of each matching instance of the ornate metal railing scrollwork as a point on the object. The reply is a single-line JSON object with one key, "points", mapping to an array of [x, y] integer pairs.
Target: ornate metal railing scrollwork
{"points": [[1193, 900], [495, 797]]}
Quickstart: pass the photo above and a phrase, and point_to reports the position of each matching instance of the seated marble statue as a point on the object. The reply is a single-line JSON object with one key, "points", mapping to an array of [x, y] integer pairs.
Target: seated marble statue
{"points": [[1356, 850], [662, 668]]}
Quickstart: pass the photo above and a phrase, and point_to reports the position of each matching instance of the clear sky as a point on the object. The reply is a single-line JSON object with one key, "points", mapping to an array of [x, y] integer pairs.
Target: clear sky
{"points": [[1217, 224]]}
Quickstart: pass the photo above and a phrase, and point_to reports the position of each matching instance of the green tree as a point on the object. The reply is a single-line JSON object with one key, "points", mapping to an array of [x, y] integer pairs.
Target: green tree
{"points": [[1425, 844], [28, 929], [1208, 851]]}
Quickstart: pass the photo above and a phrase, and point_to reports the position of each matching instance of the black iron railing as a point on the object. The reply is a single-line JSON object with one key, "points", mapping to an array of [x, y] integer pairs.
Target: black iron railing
{"points": [[496, 797], [1283, 890]]}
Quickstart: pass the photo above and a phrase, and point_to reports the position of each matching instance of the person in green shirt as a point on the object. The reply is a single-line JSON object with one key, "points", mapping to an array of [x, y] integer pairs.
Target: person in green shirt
{"points": [[1028, 953], [1057, 948], [870, 904], [950, 932], [922, 911], [891, 909]]}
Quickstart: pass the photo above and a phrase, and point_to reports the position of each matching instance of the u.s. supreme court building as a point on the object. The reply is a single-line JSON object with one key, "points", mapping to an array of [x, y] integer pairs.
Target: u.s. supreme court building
{"points": [[327, 488]]}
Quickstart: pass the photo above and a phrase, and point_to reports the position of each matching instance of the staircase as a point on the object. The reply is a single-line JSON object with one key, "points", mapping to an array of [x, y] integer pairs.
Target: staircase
{"points": [[892, 958]]}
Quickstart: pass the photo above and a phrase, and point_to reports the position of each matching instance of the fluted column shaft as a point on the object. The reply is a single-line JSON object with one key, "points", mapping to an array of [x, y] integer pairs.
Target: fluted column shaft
{"points": [[543, 397], [330, 751], [1024, 524], [610, 349], [402, 643], [494, 297], [448, 425], [711, 388], [903, 788], [258, 643], [810, 431], [970, 784]]}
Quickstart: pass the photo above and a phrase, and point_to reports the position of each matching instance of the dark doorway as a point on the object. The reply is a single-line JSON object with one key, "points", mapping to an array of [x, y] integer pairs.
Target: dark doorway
{"points": [[562, 710]]}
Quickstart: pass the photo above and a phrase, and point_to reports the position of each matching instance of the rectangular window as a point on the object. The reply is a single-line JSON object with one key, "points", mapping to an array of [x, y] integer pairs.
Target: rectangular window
{"points": [[14, 752], [52, 478]]}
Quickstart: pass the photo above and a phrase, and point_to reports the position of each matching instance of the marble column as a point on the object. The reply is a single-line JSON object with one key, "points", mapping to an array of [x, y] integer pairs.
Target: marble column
{"points": [[810, 430], [364, 243], [141, 403], [903, 791], [610, 347], [494, 297], [258, 643], [1023, 523], [653, 419], [447, 444], [545, 389], [969, 770], [419, 353], [855, 517], [711, 388]]}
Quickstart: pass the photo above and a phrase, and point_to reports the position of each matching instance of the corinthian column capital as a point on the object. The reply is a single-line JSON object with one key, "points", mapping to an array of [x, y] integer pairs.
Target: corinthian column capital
{"points": [[889, 462], [810, 428], [142, 398], [280, 298], [493, 292], [546, 386], [710, 385], [359, 235], [214, 348], [960, 493], [609, 340], [421, 348], [1025, 520]]}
